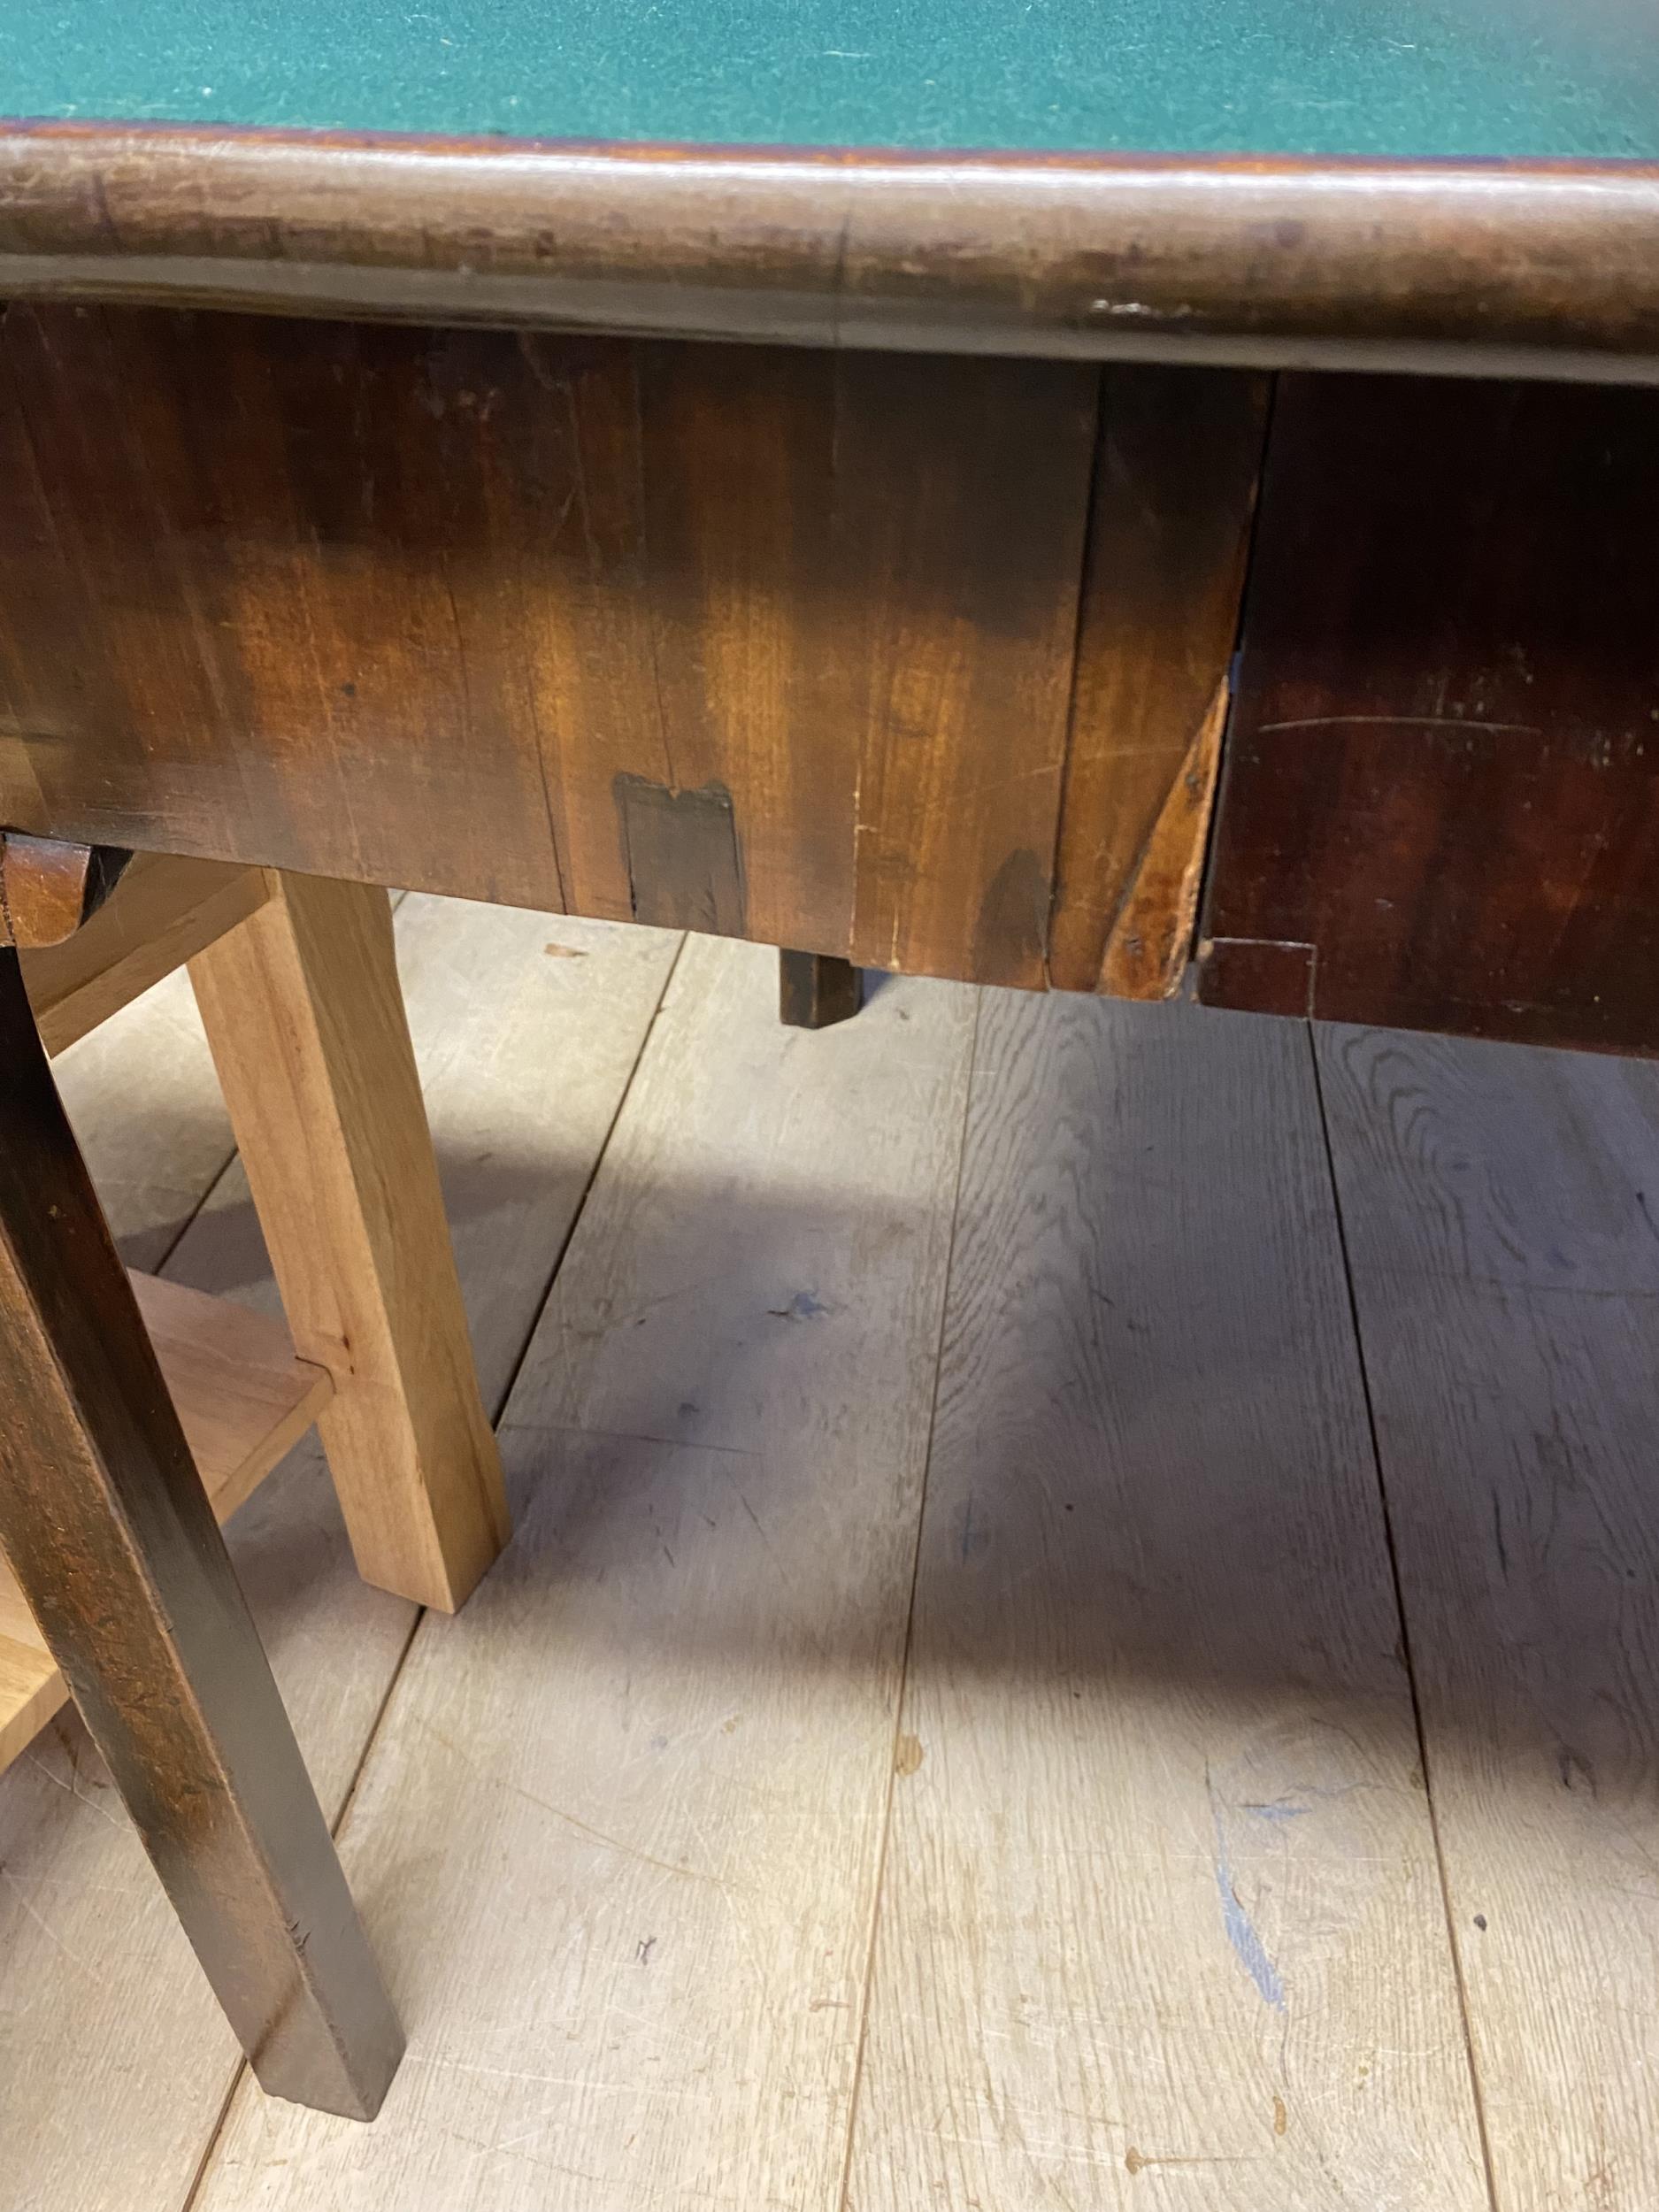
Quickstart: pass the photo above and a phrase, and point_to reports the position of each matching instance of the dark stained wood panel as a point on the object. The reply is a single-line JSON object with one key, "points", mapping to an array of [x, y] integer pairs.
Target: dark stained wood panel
{"points": [[1440, 805], [742, 507], [961, 550], [256, 606], [770, 642], [1180, 451]]}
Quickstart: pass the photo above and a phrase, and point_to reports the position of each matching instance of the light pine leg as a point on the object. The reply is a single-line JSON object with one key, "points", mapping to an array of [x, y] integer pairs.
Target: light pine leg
{"points": [[305, 1019], [111, 1538]]}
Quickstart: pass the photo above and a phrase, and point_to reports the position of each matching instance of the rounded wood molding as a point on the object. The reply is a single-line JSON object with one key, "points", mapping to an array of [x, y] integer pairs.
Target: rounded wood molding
{"points": [[1548, 269]]}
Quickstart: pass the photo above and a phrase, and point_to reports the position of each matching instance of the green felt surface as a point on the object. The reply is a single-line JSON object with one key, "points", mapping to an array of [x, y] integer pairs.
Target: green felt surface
{"points": [[1390, 77]]}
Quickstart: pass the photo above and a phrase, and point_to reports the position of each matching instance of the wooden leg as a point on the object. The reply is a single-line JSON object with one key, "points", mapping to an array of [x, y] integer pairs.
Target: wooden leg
{"points": [[303, 1012], [111, 1536], [816, 989]]}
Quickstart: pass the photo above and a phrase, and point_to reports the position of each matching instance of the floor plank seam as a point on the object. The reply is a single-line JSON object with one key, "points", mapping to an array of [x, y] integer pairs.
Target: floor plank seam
{"points": [[165, 1258], [188, 2200], [337, 1827], [515, 1368], [1397, 1580], [910, 1626]]}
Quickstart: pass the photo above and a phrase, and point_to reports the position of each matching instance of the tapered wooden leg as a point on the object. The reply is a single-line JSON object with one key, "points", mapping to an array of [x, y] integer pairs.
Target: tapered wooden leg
{"points": [[305, 1019], [110, 1534], [816, 989]]}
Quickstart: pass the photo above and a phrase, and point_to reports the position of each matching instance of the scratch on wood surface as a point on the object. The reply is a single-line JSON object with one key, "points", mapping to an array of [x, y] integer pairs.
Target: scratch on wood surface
{"points": [[694, 2092], [632, 1316], [625, 1436], [1401, 722], [33, 1759], [1252, 1952], [1137, 2160], [613, 1843], [42, 1924], [1065, 2153], [582, 1827]]}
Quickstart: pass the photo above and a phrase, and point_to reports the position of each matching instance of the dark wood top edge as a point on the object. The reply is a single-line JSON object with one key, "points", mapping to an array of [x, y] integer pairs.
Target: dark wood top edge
{"points": [[192, 139], [1544, 268]]}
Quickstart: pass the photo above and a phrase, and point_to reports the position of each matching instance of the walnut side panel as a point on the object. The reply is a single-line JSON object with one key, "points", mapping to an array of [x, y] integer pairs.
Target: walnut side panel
{"points": [[960, 539], [767, 643], [254, 601], [1440, 805]]}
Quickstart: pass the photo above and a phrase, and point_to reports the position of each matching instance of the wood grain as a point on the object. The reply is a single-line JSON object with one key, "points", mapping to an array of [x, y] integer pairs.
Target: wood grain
{"points": [[1540, 268], [114, 2062], [262, 550], [1175, 479], [969, 572], [302, 1010], [1498, 1209], [163, 911], [242, 1400], [717, 1444], [1440, 807], [743, 492], [1161, 1920], [767, 643]]}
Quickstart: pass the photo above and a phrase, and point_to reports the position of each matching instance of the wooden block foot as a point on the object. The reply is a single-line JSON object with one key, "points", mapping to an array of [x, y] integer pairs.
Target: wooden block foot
{"points": [[816, 990]]}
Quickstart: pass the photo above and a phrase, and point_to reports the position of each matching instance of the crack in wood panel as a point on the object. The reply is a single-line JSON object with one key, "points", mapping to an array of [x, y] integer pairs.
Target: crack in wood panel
{"points": [[1173, 504]]}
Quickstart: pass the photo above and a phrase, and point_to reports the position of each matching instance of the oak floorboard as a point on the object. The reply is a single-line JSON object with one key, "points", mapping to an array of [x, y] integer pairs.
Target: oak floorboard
{"points": [[142, 1095], [619, 1833], [1162, 1924], [1499, 1206], [114, 2061], [140, 1092]]}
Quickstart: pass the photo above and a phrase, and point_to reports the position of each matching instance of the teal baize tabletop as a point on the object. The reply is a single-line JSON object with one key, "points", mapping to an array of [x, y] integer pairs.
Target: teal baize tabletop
{"points": [[1391, 78]]}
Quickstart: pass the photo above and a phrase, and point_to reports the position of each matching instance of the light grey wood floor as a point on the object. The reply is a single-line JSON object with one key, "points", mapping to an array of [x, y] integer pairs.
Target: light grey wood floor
{"points": [[1083, 1630]]}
